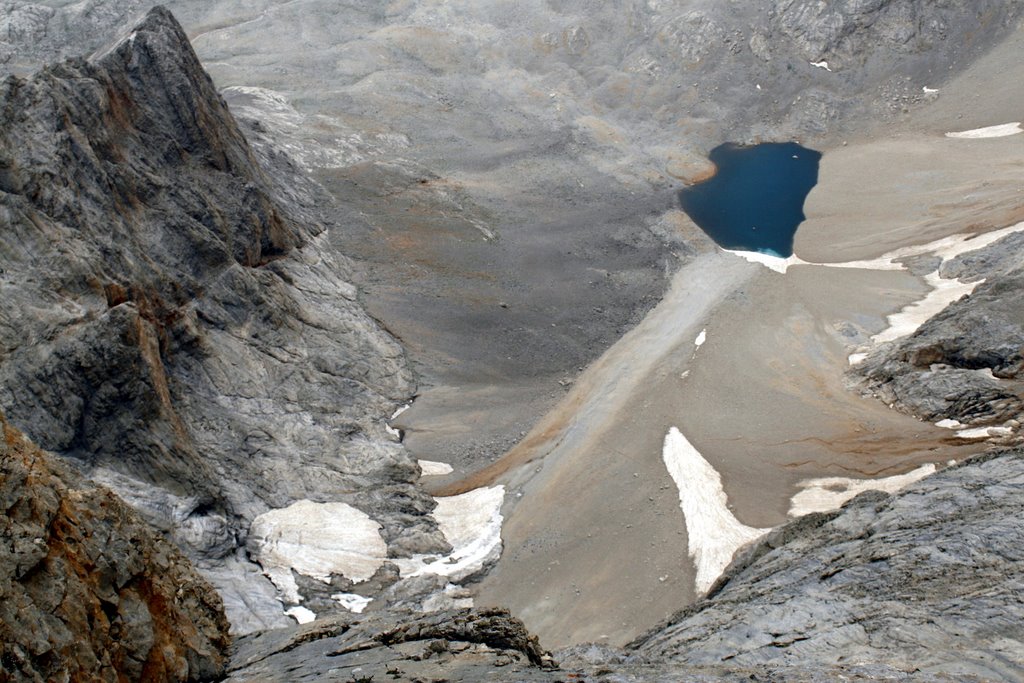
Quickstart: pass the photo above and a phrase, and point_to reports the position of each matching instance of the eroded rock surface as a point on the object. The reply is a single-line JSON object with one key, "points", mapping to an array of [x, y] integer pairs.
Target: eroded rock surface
{"points": [[173, 319], [921, 585], [88, 591], [449, 645], [964, 364]]}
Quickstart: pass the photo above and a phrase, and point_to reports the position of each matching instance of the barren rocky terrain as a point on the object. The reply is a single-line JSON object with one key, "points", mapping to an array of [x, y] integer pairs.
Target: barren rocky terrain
{"points": [[386, 315]]}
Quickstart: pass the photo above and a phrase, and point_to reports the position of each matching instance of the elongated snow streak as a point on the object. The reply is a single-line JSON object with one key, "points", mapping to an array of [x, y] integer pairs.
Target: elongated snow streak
{"points": [[983, 432], [713, 531], [1000, 131], [829, 493], [943, 292], [471, 523], [910, 317]]}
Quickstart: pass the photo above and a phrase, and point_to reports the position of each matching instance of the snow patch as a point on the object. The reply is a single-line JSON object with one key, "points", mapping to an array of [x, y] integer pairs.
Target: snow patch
{"points": [[1000, 131], [829, 493], [770, 261], [471, 523], [316, 540], [906, 321], [983, 432], [352, 602], [929, 91], [701, 338], [301, 614], [434, 469], [713, 532], [821, 65], [949, 424], [943, 291]]}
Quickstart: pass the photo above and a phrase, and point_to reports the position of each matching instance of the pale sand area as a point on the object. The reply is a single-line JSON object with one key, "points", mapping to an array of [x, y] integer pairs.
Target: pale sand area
{"points": [[596, 546], [595, 542]]}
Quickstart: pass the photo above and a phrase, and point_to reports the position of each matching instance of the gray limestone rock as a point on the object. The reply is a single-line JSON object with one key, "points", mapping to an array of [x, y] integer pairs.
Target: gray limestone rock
{"points": [[928, 580], [966, 362], [451, 645], [922, 585], [174, 319]]}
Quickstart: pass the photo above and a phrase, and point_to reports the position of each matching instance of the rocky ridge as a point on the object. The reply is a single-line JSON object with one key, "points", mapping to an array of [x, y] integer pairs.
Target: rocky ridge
{"points": [[548, 125], [174, 321], [88, 590], [965, 364]]}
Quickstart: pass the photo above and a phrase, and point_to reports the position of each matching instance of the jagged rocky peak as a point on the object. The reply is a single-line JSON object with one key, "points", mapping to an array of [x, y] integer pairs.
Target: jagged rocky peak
{"points": [[88, 591], [175, 321]]}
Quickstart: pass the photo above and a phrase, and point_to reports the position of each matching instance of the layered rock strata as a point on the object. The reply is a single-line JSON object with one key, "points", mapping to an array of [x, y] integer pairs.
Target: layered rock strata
{"points": [[965, 366]]}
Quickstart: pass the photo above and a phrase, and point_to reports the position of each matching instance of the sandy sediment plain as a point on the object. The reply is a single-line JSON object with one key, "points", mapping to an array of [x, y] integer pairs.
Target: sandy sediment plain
{"points": [[763, 398]]}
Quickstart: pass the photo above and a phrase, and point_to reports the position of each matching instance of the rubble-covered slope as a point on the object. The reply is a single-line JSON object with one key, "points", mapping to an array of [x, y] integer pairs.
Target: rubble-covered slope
{"points": [[173, 319], [88, 591]]}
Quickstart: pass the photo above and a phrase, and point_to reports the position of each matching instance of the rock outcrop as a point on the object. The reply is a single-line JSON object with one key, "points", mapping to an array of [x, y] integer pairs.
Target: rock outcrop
{"points": [[928, 579], [921, 585], [448, 645], [88, 591], [173, 318], [966, 364]]}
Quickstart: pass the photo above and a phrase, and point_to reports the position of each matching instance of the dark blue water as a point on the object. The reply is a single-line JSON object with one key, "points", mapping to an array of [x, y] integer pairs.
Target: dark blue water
{"points": [[755, 201]]}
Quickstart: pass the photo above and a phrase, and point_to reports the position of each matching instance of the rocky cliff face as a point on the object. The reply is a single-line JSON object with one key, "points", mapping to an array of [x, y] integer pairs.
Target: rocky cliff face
{"points": [[173, 320], [88, 591]]}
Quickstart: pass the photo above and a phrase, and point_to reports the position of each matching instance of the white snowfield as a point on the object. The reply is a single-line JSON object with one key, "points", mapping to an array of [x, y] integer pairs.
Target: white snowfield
{"points": [[301, 614], [316, 540], [352, 602], [321, 539], [983, 432], [944, 291], [906, 321], [713, 532], [829, 493], [1001, 131], [701, 338]]}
